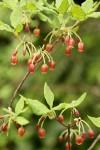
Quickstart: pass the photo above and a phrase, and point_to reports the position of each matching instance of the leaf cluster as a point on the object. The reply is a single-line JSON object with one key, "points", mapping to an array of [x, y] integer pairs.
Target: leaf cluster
{"points": [[38, 108], [55, 14]]}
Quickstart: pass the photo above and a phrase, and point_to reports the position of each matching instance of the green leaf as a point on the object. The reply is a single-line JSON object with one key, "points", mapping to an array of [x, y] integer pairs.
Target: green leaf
{"points": [[25, 109], [76, 102], [25, 2], [43, 17], [21, 120], [9, 112], [96, 5], [17, 17], [70, 1], [58, 3], [3, 4], [63, 7], [77, 12], [49, 96], [94, 15], [87, 5], [6, 27], [30, 6], [50, 16], [37, 107], [19, 106], [12, 4], [60, 106], [18, 29], [95, 121]]}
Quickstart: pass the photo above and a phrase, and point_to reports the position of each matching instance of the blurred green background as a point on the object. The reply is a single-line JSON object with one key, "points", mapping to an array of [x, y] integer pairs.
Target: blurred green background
{"points": [[73, 76]]}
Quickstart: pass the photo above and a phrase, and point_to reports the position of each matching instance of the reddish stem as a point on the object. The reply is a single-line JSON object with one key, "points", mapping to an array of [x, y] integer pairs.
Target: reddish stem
{"points": [[27, 74], [18, 88]]}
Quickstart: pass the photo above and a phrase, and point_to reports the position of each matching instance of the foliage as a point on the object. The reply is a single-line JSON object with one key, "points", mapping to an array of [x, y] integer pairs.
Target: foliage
{"points": [[95, 121], [23, 11]]}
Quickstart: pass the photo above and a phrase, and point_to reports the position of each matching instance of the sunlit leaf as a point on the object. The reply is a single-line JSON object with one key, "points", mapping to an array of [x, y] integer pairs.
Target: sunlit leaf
{"points": [[11, 3], [87, 5], [63, 7], [30, 6], [9, 112], [19, 106], [58, 3], [60, 106], [77, 12], [18, 29], [16, 17], [48, 94], [37, 107], [94, 15], [95, 121], [21, 120], [5, 27], [76, 102]]}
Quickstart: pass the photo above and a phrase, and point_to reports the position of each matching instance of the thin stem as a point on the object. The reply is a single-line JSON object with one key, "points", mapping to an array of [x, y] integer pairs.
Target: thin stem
{"points": [[42, 123], [65, 131], [69, 139], [28, 49], [94, 143], [74, 132], [47, 54], [20, 38], [57, 41], [79, 128], [71, 115], [25, 77], [50, 40], [30, 37], [63, 111], [50, 56], [77, 36], [32, 46], [51, 48], [76, 23], [19, 45], [24, 46], [41, 119], [43, 57], [86, 124], [48, 35], [82, 126], [18, 88], [65, 125]]}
